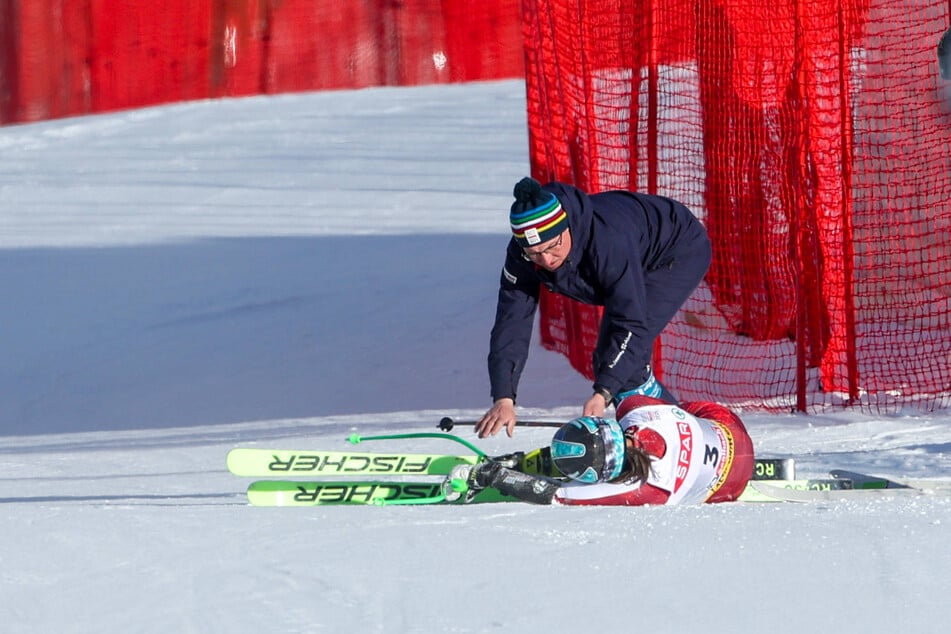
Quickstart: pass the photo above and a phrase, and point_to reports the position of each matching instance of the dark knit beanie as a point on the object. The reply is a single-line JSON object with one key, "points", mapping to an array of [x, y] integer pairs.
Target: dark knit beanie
{"points": [[536, 215]]}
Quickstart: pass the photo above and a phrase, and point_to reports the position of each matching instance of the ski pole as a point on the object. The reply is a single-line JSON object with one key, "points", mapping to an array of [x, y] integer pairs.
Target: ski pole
{"points": [[447, 423], [355, 439]]}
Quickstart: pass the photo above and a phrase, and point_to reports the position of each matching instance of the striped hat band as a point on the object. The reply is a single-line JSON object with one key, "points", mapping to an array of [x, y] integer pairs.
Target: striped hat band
{"points": [[538, 224]]}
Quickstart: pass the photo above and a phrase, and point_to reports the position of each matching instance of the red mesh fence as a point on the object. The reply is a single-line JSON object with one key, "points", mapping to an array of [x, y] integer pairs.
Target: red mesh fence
{"points": [[69, 57], [813, 138]]}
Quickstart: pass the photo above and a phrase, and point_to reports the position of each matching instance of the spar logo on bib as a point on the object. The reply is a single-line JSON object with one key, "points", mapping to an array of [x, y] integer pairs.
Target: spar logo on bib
{"points": [[684, 452]]}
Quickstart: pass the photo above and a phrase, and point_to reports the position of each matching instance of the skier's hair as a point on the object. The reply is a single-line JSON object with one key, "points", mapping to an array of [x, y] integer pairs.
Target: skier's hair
{"points": [[637, 462], [637, 466]]}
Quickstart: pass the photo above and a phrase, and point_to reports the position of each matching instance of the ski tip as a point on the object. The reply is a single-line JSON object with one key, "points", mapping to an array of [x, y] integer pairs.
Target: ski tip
{"points": [[866, 481], [233, 461], [354, 439]]}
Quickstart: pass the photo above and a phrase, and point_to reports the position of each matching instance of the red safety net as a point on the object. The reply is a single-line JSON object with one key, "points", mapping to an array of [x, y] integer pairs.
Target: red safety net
{"points": [[63, 57], [813, 138]]}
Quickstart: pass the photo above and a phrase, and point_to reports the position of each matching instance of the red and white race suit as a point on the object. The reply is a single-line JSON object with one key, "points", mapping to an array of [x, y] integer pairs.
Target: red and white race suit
{"points": [[700, 452]]}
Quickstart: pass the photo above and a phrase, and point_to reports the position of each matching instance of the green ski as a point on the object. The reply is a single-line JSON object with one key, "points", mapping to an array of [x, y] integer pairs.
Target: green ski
{"points": [[284, 463], [368, 492], [257, 463], [387, 492]]}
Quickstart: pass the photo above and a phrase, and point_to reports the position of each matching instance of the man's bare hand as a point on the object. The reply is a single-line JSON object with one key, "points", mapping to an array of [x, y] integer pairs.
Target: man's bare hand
{"points": [[502, 414], [595, 406]]}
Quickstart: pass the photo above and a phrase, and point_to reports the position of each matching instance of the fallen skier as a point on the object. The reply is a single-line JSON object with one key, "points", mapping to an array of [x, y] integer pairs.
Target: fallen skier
{"points": [[654, 453]]}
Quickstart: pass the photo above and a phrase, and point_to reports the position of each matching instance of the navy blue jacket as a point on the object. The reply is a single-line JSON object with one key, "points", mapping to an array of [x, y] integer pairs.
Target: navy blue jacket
{"points": [[616, 237]]}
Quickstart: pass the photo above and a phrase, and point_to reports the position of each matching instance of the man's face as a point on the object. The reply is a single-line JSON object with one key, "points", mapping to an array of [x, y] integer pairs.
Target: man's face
{"points": [[552, 254]]}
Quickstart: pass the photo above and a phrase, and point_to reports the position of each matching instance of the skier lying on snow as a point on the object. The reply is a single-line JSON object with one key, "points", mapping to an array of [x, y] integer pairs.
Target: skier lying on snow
{"points": [[655, 453]]}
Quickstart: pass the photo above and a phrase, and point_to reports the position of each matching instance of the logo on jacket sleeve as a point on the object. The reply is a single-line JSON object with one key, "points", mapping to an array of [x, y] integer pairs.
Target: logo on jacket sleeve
{"points": [[511, 278], [684, 453]]}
